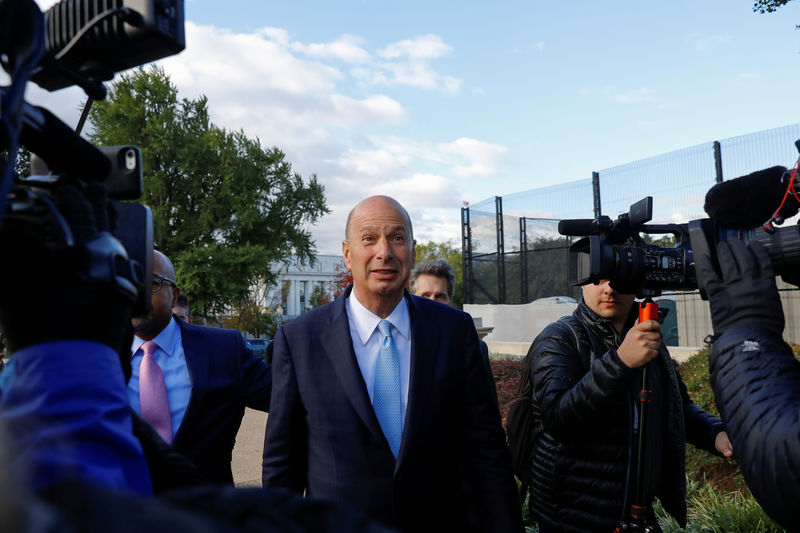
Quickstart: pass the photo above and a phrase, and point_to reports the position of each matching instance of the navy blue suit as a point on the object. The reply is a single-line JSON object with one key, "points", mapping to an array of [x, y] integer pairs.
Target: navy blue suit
{"points": [[226, 377], [323, 436]]}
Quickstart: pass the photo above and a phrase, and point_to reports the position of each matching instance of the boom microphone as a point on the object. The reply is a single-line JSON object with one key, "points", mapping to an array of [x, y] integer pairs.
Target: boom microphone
{"points": [[751, 200]]}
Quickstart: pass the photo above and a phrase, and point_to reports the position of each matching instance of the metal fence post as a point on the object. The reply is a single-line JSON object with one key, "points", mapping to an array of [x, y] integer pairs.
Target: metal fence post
{"points": [[523, 258], [501, 257], [596, 192], [466, 255], [718, 160]]}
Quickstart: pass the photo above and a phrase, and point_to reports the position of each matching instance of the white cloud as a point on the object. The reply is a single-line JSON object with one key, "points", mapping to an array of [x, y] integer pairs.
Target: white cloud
{"points": [[423, 47], [635, 96], [418, 190], [415, 74], [376, 107], [295, 96], [374, 164], [481, 157], [749, 76], [346, 48]]}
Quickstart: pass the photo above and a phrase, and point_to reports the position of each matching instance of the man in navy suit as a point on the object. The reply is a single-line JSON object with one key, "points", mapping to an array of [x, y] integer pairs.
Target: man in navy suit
{"points": [[381, 399], [208, 374]]}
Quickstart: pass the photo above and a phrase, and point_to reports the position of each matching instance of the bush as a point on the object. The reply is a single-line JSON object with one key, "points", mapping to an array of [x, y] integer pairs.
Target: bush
{"points": [[701, 466], [506, 372]]}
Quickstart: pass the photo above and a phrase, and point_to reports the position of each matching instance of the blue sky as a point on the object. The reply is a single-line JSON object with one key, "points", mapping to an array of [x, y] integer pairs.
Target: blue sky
{"points": [[441, 102]]}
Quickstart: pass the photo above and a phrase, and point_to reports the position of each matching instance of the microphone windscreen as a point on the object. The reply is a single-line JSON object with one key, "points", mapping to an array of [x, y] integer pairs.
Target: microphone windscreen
{"points": [[750, 200]]}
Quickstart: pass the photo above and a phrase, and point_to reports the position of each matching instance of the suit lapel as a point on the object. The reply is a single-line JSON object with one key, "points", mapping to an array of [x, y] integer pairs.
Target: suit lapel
{"points": [[198, 360], [424, 352], [339, 347]]}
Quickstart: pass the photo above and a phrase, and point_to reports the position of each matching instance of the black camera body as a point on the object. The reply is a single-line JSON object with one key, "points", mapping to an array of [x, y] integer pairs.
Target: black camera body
{"points": [[80, 42], [615, 250]]}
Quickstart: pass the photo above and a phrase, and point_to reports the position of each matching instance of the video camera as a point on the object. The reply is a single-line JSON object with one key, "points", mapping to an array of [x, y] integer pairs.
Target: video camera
{"points": [[80, 42], [616, 251]]}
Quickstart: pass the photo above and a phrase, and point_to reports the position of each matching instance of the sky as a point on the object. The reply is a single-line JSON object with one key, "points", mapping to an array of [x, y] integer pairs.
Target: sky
{"points": [[438, 103]]}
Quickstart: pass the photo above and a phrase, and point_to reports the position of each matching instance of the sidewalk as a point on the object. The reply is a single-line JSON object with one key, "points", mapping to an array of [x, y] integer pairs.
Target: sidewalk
{"points": [[246, 460]]}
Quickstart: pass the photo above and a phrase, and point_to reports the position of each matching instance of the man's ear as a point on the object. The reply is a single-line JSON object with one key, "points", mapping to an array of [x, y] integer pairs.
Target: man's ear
{"points": [[176, 293], [413, 253], [346, 254]]}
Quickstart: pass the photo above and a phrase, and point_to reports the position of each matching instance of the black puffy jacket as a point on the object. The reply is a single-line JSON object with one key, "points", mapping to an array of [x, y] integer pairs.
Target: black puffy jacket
{"points": [[756, 382], [583, 396]]}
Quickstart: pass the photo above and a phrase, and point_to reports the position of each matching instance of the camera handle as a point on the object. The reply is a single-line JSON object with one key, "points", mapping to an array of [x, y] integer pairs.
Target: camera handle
{"points": [[637, 515]]}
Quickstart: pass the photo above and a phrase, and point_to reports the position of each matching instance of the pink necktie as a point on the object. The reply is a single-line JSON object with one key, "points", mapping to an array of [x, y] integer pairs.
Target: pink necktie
{"points": [[153, 393]]}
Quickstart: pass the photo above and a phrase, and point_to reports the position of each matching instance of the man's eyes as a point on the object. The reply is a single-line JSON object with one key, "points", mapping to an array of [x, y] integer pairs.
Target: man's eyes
{"points": [[392, 238]]}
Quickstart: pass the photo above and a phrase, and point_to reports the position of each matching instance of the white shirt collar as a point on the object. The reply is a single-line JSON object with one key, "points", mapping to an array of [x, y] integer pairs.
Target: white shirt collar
{"points": [[366, 321], [167, 339]]}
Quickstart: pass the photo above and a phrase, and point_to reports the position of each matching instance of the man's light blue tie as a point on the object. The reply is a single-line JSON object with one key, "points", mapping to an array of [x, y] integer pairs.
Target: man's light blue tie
{"points": [[386, 396]]}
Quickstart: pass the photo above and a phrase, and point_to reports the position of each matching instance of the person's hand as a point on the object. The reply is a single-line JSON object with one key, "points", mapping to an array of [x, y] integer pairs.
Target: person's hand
{"points": [[641, 344], [723, 444], [745, 292]]}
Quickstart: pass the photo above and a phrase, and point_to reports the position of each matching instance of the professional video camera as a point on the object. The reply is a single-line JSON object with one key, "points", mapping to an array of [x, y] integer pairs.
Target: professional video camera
{"points": [[80, 42], [745, 208]]}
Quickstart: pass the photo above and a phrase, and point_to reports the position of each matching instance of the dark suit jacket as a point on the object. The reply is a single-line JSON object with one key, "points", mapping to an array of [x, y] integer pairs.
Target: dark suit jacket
{"points": [[226, 377], [323, 436]]}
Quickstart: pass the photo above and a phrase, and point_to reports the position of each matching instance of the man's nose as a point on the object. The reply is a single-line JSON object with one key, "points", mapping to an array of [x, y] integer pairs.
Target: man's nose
{"points": [[384, 249]]}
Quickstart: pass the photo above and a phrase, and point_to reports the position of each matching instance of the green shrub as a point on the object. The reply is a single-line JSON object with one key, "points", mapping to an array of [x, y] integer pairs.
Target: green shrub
{"points": [[713, 511], [701, 466]]}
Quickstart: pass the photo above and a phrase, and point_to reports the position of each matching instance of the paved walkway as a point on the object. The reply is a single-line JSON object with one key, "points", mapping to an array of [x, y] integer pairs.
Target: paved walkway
{"points": [[246, 461]]}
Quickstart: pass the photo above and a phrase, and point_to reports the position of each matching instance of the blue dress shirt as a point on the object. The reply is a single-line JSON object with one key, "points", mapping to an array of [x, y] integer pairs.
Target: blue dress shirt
{"points": [[172, 360], [367, 342]]}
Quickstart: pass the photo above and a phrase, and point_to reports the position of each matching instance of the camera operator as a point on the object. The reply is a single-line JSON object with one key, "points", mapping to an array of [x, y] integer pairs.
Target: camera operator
{"points": [[755, 378], [586, 370], [75, 346]]}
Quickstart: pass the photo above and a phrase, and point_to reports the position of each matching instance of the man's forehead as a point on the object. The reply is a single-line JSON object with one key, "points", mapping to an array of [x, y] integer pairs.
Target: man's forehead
{"points": [[380, 227]]}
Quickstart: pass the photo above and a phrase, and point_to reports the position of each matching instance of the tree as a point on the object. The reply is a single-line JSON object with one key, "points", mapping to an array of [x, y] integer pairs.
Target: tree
{"points": [[253, 318], [341, 281], [448, 251], [319, 296], [768, 6], [224, 208]]}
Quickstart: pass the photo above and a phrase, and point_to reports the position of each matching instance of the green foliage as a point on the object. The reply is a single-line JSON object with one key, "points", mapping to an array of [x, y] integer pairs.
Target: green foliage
{"points": [[319, 296], [252, 318], [224, 208], [710, 510], [702, 466], [448, 251], [768, 6]]}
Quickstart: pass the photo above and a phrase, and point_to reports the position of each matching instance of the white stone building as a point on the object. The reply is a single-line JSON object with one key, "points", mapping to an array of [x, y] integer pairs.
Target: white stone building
{"points": [[296, 283]]}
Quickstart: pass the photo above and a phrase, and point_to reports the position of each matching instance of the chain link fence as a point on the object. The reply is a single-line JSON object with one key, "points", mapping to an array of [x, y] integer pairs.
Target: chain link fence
{"points": [[513, 253]]}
